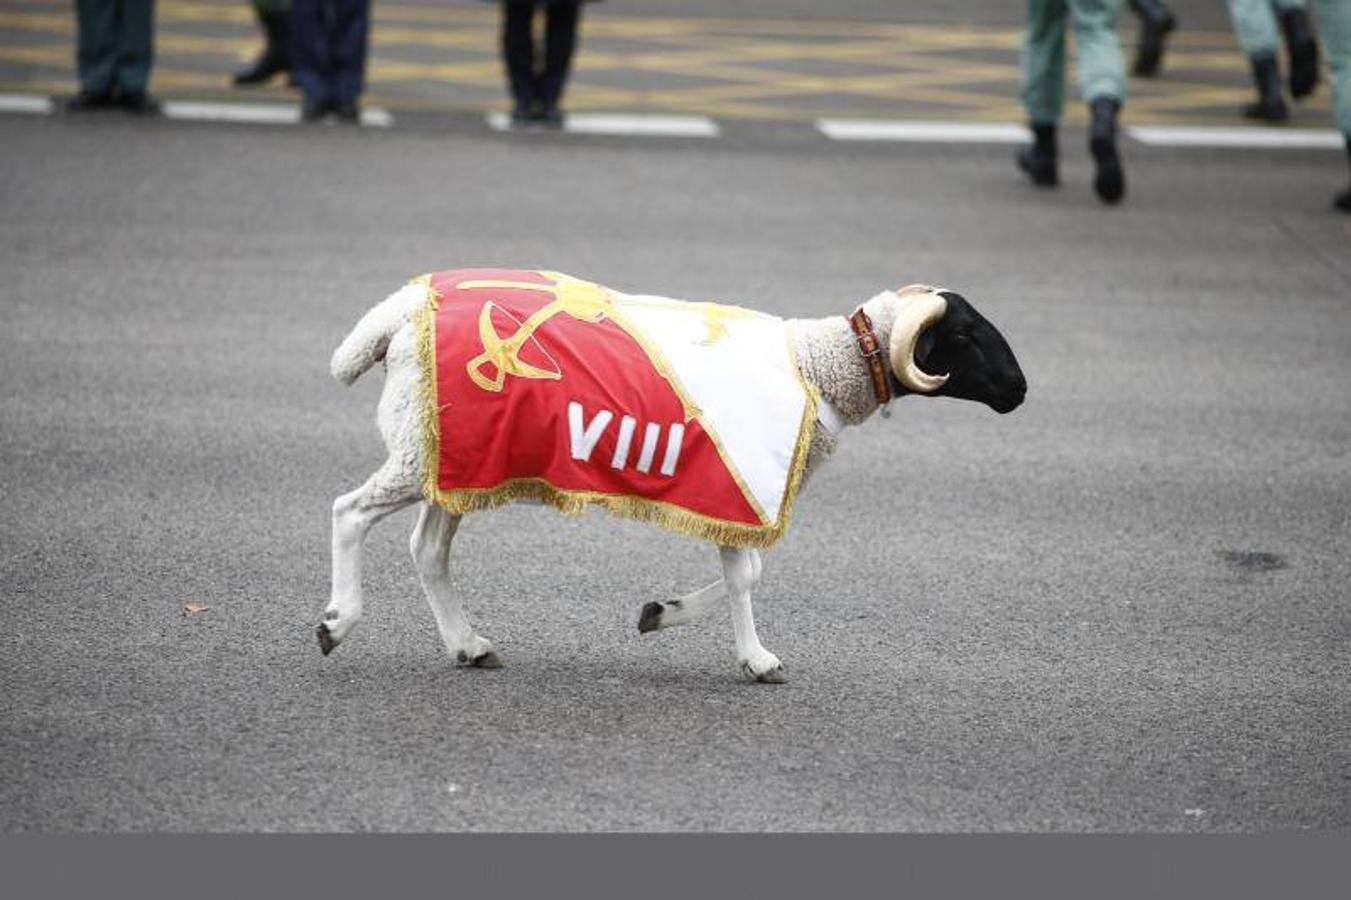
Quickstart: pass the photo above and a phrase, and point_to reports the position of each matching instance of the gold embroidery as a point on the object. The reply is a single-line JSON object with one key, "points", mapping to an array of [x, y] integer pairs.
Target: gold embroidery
{"points": [[582, 300], [716, 316]]}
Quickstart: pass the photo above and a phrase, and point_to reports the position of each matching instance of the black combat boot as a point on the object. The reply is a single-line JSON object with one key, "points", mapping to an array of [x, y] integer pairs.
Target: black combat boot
{"points": [[1343, 200], [88, 100], [276, 55], [139, 103], [1109, 180], [1156, 21], [1039, 159], [1302, 48], [1270, 105]]}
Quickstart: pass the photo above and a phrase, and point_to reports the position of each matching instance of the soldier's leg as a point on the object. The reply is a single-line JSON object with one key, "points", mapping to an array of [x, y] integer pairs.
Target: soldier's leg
{"points": [[310, 57], [351, 27], [518, 56], [1102, 84], [97, 44], [1255, 26], [1334, 25], [560, 39], [1042, 88], [274, 18], [135, 54], [1100, 65], [1156, 22], [1043, 60], [1301, 46]]}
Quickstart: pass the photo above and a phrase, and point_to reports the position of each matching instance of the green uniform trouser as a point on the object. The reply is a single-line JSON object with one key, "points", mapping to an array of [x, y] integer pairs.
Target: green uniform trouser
{"points": [[1255, 23], [1101, 67], [116, 44], [1334, 28]]}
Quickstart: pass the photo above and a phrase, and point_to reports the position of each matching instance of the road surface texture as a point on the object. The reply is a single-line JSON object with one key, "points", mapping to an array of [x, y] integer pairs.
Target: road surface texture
{"points": [[1122, 607]]}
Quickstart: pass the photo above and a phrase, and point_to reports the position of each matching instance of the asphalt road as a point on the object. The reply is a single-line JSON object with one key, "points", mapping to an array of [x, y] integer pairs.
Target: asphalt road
{"points": [[1122, 607]]}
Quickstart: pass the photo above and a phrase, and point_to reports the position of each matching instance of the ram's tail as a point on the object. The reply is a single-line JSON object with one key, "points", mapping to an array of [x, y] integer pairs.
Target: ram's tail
{"points": [[367, 343]]}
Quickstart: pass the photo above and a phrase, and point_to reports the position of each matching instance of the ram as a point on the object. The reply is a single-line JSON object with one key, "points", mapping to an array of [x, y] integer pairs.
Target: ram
{"points": [[507, 385]]}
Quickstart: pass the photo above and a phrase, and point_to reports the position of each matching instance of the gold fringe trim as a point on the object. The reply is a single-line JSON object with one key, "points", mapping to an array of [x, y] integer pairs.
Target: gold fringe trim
{"points": [[805, 429], [669, 516], [424, 326], [569, 502]]}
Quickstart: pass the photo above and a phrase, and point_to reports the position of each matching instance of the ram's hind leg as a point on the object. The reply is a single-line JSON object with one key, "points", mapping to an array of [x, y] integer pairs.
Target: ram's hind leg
{"points": [[430, 546], [387, 491]]}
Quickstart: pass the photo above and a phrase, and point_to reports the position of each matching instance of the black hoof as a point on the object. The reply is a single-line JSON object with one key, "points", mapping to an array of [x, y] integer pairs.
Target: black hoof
{"points": [[773, 676], [489, 660], [326, 642], [650, 619]]}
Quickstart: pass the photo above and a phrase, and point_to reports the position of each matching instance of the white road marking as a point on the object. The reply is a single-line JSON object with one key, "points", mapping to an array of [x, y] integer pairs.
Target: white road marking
{"points": [[25, 103], [377, 117], [924, 132], [642, 126], [902, 130], [258, 113], [1270, 137]]}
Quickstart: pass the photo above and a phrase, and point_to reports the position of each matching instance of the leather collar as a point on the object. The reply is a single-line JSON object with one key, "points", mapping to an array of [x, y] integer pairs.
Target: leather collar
{"points": [[871, 348]]}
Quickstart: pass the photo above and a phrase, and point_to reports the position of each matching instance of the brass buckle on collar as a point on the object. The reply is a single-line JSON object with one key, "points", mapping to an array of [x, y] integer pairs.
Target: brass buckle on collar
{"points": [[863, 340]]}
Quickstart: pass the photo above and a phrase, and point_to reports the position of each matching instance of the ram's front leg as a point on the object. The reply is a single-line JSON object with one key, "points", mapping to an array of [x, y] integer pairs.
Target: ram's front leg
{"points": [[688, 607], [740, 573]]}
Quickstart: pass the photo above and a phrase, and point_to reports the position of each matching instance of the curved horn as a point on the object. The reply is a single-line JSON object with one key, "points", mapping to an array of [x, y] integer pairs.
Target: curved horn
{"points": [[918, 311], [916, 289]]}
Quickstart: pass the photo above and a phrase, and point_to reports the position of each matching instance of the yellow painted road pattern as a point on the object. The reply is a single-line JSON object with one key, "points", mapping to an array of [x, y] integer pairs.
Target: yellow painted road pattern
{"points": [[444, 58]]}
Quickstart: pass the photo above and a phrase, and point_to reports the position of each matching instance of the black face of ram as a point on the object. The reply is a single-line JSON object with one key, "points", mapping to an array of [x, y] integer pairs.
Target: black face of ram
{"points": [[977, 359]]}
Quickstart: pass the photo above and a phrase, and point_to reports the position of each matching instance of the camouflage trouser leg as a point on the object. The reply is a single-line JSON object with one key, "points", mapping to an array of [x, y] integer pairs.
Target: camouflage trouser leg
{"points": [[1255, 23], [1100, 66], [1334, 28]]}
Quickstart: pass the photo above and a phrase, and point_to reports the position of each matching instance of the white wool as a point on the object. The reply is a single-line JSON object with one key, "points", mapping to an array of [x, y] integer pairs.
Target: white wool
{"points": [[828, 354], [829, 357], [366, 344]]}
